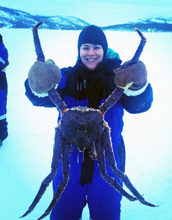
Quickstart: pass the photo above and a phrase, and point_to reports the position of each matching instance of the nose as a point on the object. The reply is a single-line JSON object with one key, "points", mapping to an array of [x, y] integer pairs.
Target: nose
{"points": [[91, 51]]}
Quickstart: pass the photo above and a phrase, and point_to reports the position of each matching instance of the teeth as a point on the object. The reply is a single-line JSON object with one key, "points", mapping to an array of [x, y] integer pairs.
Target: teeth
{"points": [[91, 59]]}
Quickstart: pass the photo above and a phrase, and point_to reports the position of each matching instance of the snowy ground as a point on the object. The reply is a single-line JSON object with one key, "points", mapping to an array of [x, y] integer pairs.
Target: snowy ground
{"points": [[26, 154]]}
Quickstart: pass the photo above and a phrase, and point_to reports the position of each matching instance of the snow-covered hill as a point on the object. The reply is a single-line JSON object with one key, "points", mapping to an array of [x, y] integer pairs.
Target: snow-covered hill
{"points": [[157, 24], [12, 18]]}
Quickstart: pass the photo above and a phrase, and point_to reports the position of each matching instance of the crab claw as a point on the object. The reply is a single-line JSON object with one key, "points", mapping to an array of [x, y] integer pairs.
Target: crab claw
{"points": [[38, 48], [37, 25], [148, 204]]}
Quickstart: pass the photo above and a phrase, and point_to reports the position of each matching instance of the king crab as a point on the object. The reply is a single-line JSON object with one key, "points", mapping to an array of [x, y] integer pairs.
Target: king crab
{"points": [[84, 128]]}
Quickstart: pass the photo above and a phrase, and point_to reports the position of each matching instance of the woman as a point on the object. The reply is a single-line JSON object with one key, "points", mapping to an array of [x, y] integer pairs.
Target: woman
{"points": [[96, 74]]}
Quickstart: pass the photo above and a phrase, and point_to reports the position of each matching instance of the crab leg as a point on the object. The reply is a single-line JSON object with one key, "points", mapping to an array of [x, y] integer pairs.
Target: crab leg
{"points": [[56, 99], [117, 93], [54, 166], [111, 100], [38, 48], [41, 191], [139, 49], [109, 179], [123, 177], [62, 185], [54, 96]]}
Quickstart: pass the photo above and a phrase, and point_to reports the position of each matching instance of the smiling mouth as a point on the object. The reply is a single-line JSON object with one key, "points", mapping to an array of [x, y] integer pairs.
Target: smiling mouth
{"points": [[91, 59]]}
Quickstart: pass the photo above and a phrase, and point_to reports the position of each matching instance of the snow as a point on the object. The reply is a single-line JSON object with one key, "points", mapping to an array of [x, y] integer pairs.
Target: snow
{"points": [[26, 154]]}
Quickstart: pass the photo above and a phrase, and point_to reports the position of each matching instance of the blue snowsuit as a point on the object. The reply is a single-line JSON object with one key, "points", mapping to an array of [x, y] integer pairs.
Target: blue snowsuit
{"points": [[82, 87], [3, 92]]}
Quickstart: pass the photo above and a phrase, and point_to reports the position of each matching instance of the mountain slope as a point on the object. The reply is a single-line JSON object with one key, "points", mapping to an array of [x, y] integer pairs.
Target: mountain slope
{"points": [[147, 25], [11, 18]]}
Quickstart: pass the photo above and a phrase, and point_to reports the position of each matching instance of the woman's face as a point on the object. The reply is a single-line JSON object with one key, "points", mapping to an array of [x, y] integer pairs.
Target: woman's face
{"points": [[91, 55]]}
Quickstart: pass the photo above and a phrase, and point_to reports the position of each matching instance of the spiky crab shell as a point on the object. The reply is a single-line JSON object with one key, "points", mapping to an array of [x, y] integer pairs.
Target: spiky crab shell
{"points": [[82, 126]]}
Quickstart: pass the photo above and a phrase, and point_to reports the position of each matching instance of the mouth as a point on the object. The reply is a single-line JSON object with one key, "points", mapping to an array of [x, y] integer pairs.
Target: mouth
{"points": [[91, 59]]}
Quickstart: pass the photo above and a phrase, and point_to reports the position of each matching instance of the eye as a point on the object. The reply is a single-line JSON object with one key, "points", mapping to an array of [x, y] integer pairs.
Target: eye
{"points": [[85, 47], [97, 47]]}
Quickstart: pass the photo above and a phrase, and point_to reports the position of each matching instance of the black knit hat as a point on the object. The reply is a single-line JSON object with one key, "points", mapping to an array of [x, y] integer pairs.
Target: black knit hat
{"points": [[93, 35]]}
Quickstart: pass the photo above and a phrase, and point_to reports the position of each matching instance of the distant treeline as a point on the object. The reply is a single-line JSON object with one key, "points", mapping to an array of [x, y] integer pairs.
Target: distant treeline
{"points": [[146, 27]]}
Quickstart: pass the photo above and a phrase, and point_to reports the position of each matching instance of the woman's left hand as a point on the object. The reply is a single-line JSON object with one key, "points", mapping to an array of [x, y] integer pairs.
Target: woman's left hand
{"points": [[132, 77]]}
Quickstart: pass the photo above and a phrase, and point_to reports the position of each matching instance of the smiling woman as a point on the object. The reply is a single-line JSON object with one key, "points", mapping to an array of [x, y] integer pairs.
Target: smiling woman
{"points": [[88, 84], [93, 35], [91, 55], [92, 46]]}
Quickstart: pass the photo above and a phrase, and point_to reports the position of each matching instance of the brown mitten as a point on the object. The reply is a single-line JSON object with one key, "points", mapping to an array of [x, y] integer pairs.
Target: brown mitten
{"points": [[133, 77], [43, 76]]}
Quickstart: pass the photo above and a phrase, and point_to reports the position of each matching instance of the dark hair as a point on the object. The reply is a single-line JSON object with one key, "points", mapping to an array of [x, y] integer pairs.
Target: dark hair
{"points": [[93, 35]]}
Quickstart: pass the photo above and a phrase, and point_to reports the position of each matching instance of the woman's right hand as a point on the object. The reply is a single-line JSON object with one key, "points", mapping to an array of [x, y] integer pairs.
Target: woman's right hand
{"points": [[43, 76]]}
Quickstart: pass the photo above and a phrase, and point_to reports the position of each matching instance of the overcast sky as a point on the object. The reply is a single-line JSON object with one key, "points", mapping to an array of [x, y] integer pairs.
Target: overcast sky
{"points": [[99, 12]]}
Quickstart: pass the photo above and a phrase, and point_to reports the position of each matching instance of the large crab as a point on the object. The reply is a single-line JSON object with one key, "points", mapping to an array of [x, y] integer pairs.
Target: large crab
{"points": [[84, 128]]}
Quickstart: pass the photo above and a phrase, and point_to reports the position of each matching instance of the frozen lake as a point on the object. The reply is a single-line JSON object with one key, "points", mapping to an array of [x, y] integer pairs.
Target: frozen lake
{"points": [[26, 154]]}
